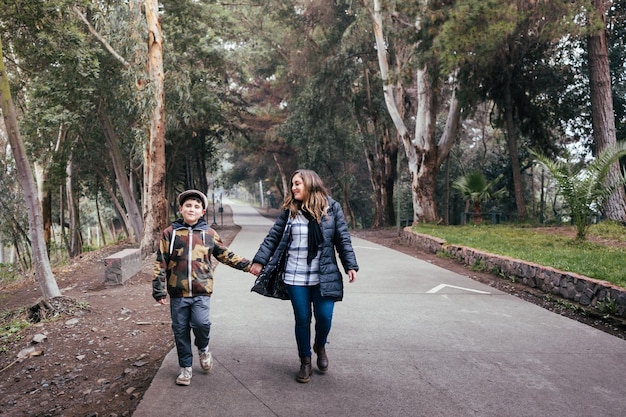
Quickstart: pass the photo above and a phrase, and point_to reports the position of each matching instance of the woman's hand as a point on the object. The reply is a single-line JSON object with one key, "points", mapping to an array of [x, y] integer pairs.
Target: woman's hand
{"points": [[256, 268], [351, 275]]}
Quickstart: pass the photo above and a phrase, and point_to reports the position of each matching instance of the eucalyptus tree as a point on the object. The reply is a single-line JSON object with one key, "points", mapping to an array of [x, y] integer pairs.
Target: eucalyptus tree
{"points": [[41, 43], [602, 114], [374, 127], [136, 30], [34, 34], [400, 31], [43, 270], [154, 203]]}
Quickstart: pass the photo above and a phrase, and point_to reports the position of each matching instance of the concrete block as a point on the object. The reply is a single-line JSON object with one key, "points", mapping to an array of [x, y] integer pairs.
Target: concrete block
{"points": [[122, 265]]}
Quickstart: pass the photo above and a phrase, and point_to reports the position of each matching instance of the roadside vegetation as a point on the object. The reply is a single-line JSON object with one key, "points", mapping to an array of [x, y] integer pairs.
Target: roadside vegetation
{"points": [[591, 258]]}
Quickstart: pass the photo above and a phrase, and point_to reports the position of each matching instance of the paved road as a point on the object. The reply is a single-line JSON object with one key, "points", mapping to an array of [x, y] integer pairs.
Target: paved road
{"points": [[409, 339]]}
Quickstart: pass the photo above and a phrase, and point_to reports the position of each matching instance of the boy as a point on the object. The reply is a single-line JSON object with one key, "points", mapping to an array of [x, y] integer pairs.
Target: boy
{"points": [[184, 263]]}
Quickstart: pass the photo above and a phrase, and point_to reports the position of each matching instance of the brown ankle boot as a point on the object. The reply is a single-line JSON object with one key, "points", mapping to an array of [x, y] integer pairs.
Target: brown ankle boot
{"points": [[304, 375], [322, 359]]}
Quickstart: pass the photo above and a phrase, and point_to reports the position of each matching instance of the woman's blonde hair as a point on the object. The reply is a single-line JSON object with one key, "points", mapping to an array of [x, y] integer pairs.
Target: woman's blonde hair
{"points": [[316, 195]]}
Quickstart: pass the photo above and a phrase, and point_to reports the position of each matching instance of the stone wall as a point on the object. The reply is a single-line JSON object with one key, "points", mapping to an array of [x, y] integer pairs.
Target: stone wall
{"points": [[575, 288]]}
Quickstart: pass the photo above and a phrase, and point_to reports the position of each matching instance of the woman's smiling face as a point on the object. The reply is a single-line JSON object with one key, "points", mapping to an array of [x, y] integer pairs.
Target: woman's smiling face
{"points": [[297, 188]]}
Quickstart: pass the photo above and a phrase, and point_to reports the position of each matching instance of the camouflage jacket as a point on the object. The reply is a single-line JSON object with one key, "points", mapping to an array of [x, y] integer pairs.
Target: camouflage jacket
{"points": [[184, 260]]}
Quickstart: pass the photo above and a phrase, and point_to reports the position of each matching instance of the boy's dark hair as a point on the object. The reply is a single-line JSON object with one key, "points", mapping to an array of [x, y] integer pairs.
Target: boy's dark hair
{"points": [[195, 194]]}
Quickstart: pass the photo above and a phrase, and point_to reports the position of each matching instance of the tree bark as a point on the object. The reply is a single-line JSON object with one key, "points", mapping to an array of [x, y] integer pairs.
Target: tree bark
{"points": [[154, 202], [381, 149], [518, 184], [43, 270], [116, 203], [75, 238], [283, 176], [602, 113], [132, 208], [424, 155]]}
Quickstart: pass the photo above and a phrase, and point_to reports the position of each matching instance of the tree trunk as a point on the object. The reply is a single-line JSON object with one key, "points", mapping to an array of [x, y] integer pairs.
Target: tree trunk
{"points": [[46, 203], [380, 148], [132, 208], [154, 202], [423, 154], [62, 218], [518, 184], [43, 270], [283, 176], [75, 238], [100, 226], [602, 114], [116, 203], [424, 169]]}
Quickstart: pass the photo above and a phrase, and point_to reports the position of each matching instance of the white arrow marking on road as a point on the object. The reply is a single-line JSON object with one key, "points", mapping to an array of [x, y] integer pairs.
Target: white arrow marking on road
{"points": [[442, 286]]}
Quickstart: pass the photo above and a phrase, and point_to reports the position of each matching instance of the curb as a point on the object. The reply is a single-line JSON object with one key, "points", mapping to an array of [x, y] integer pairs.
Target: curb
{"points": [[587, 292]]}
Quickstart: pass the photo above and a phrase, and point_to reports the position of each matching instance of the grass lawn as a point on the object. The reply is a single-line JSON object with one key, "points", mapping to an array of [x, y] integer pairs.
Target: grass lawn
{"points": [[548, 247]]}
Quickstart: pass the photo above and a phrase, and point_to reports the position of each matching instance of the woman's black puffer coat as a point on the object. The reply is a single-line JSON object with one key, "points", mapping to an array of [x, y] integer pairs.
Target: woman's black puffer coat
{"points": [[336, 236]]}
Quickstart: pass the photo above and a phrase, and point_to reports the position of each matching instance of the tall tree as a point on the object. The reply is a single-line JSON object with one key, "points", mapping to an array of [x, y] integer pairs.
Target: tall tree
{"points": [[500, 50], [154, 203], [151, 89], [424, 152], [602, 114], [45, 277]]}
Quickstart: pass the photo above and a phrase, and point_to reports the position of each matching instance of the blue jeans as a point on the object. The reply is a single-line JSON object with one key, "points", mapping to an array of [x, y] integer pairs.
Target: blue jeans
{"points": [[301, 299], [191, 313]]}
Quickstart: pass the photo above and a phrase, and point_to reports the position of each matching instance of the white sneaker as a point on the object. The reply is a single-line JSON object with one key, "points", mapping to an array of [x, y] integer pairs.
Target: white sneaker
{"points": [[206, 360], [185, 376]]}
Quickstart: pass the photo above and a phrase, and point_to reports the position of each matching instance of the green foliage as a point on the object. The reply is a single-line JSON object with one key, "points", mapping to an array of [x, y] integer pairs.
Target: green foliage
{"points": [[498, 49], [485, 25], [585, 188], [549, 249], [475, 189], [9, 273], [11, 324]]}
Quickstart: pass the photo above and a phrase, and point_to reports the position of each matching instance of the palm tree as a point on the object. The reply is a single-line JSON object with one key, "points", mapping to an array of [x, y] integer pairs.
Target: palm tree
{"points": [[475, 189], [585, 189]]}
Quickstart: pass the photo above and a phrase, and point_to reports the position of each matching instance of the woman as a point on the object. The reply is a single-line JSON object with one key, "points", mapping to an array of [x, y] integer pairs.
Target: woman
{"points": [[315, 227]]}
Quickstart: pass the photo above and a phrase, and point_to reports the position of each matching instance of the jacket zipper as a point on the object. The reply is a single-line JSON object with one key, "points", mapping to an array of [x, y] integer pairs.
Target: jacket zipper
{"points": [[190, 244]]}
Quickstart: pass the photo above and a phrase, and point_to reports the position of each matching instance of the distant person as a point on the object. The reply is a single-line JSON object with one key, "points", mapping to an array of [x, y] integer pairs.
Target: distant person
{"points": [[184, 268], [316, 227]]}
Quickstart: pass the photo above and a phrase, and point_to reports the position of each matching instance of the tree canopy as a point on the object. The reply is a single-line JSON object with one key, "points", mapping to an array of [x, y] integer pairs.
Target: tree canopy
{"points": [[377, 97]]}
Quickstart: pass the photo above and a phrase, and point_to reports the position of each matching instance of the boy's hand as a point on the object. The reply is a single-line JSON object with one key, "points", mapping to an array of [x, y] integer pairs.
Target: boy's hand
{"points": [[256, 268]]}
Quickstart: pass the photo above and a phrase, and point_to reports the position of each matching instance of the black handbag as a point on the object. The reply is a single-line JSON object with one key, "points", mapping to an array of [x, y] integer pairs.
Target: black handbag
{"points": [[270, 282]]}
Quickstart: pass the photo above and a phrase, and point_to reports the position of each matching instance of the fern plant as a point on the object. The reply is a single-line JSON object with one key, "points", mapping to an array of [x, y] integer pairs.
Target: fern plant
{"points": [[585, 188]]}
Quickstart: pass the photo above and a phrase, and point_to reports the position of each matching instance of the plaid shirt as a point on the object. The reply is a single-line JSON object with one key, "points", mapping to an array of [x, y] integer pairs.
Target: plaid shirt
{"points": [[297, 272]]}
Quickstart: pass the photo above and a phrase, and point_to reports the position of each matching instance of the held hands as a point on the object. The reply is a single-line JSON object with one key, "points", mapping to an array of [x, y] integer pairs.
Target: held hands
{"points": [[256, 268]]}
